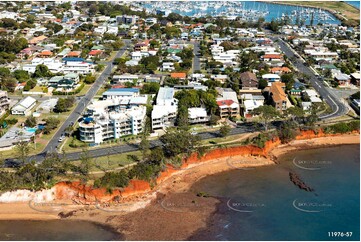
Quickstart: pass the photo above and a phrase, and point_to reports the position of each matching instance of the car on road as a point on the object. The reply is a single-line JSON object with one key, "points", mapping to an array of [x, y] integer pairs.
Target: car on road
{"points": [[62, 137]]}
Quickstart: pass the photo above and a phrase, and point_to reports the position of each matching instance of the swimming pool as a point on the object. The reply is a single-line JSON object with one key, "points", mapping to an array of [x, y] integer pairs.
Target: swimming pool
{"points": [[32, 130]]}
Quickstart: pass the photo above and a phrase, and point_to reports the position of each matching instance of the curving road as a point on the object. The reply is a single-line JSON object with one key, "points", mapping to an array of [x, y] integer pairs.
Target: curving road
{"points": [[336, 105], [74, 116]]}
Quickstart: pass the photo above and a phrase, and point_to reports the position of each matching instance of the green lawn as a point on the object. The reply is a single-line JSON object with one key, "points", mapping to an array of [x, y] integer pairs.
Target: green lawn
{"points": [[111, 162]]}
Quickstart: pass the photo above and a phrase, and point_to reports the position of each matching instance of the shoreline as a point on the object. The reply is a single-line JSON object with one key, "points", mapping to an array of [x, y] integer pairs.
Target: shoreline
{"points": [[329, 10], [178, 182]]}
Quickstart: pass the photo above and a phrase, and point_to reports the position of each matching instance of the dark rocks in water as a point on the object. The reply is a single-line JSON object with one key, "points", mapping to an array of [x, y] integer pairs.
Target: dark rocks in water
{"points": [[66, 215], [295, 179]]}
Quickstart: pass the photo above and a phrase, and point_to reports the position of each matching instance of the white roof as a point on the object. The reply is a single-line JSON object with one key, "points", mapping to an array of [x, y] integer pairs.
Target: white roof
{"points": [[197, 112], [26, 102], [311, 93], [266, 76], [160, 111], [356, 75]]}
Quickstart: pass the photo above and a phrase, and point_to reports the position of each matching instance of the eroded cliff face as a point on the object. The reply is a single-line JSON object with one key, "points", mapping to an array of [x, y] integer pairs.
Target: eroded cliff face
{"points": [[83, 194]]}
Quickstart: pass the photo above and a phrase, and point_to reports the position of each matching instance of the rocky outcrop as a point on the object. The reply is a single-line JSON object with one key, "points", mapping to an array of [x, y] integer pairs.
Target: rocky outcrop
{"points": [[295, 179]]}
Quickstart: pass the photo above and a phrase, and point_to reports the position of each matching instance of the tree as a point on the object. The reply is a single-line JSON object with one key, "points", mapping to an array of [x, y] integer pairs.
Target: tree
{"points": [[266, 113], [22, 150], [224, 130], [150, 88], [42, 71], [144, 144], [89, 79], [64, 104], [294, 113], [30, 121], [51, 124], [213, 120], [288, 80], [247, 60], [113, 179], [262, 84], [179, 142], [287, 131], [93, 9]]}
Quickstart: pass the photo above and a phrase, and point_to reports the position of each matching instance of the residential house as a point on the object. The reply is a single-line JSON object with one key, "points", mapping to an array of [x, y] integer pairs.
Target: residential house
{"points": [[355, 78], [312, 95], [248, 80], [270, 78], [280, 70], [124, 78], [227, 101], [250, 102], [178, 75], [343, 80], [24, 106], [168, 66], [125, 93]]}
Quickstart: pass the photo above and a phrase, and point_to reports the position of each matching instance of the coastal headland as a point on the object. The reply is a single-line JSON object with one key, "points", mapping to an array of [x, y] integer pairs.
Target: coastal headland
{"points": [[123, 209]]}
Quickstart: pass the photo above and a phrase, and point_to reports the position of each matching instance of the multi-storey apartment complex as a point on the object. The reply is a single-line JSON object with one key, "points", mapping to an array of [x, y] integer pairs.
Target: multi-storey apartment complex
{"points": [[110, 119], [4, 102], [165, 110]]}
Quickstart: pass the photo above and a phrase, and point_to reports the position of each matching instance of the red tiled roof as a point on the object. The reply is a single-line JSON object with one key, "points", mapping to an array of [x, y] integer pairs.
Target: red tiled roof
{"points": [[95, 52], [272, 56], [225, 102], [46, 52], [178, 75], [73, 54]]}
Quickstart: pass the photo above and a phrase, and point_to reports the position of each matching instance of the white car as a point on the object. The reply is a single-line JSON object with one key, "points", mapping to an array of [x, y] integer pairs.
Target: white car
{"points": [[61, 138]]}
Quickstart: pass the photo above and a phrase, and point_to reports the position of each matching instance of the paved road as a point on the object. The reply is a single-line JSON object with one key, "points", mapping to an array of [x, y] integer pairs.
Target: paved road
{"points": [[335, 103], [196, 61], [246, 128], [83, 102]]}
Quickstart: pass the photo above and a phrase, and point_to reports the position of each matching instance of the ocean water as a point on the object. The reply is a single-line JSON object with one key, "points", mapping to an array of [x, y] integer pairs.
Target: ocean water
{"points": [[263, 204], [273, 11], [54, 230], [354, 3]]}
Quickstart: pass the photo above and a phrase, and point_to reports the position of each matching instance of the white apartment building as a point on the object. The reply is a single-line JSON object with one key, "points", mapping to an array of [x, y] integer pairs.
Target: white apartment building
{"points": [[197, 115], [165, 110], [52, 64], [109, 119], [78, 67], [4, 102]]}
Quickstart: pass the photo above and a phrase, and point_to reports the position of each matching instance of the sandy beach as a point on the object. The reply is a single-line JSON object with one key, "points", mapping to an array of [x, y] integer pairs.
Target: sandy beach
{"points": [[136, 220]]}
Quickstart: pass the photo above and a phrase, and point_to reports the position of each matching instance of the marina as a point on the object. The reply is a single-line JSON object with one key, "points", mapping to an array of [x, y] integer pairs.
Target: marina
{"points": [[242, 10]]}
